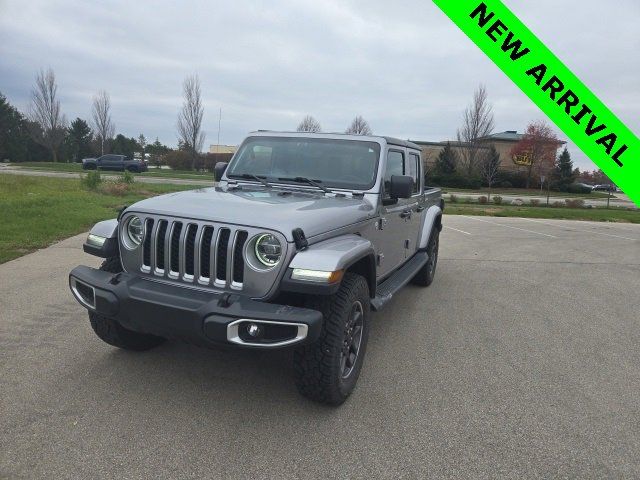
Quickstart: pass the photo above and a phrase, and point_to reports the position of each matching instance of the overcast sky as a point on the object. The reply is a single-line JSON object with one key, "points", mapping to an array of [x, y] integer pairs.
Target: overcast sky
{"points": [[402, 65]]}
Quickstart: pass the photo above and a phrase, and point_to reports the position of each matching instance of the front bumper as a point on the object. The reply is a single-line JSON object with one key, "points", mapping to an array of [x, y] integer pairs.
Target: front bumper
{"points": [[194, 316]]}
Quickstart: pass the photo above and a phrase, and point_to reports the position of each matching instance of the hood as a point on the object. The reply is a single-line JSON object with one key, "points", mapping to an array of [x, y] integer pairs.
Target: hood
{"points": [[280, 210]]}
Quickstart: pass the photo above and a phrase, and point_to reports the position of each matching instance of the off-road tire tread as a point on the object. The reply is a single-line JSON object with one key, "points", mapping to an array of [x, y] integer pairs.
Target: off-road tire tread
{"points": [[313, 364], [111, 332], [111, 265]]}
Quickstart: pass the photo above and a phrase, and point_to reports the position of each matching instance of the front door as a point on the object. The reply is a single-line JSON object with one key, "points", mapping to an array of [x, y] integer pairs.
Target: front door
{"points": [[107, 162]]}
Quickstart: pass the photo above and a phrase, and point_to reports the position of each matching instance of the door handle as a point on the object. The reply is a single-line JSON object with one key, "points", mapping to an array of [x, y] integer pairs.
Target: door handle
{"points": [[420, 208], [406, 214]]}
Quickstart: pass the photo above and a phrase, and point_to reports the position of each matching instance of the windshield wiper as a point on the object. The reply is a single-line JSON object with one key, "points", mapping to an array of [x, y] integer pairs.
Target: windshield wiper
{"points": [[313, 183], [250, 176]]}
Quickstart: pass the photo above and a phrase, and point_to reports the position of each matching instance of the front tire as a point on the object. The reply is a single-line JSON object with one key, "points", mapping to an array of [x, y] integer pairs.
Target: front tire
{"points": [[111, 265], [327, 370], [111, 332], [427, 273]]}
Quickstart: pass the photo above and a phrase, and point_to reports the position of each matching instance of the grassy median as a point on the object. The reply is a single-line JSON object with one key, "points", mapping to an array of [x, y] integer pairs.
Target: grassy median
{"points": [[593, 214], [38, 211], [524, 192]]}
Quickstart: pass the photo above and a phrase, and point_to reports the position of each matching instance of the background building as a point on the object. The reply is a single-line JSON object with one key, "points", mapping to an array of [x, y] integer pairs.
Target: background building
{"points": [[222, 148], [503, 143]]}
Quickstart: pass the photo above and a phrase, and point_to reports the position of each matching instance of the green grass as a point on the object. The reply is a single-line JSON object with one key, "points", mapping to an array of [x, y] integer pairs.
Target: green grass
{"points": [[525, 192], [592, 214], [77, 168], [38, 211]]}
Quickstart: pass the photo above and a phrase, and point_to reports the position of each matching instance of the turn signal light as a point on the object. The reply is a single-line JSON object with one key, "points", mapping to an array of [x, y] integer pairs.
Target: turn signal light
{"points": [[317, 276]]}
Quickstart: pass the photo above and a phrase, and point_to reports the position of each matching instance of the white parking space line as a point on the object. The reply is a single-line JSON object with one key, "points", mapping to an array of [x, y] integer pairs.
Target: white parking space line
{"points": [[509, 226], [579, 230], [455, 229]]}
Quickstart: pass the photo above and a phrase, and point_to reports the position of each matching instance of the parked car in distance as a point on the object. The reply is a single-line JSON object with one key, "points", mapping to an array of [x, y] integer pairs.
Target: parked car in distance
{"points": [[304, 236], [580, 188], [114, 162], [606, 187]]}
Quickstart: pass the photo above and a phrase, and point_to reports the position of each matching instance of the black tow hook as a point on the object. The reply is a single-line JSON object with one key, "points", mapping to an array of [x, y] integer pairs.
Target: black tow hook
{"points": [[226, 300], [115, 279]]}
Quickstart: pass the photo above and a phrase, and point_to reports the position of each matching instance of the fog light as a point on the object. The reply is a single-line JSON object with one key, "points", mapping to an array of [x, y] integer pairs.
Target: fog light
{"points": [[254, 330]]}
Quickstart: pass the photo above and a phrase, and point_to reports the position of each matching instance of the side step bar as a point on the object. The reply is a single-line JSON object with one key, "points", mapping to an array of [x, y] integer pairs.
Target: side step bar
{"points": [[386, 290]]}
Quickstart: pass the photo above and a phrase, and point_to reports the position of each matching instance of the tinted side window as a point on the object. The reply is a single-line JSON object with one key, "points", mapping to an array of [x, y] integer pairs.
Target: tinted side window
{"points": [[414, 171], [395, 166]]}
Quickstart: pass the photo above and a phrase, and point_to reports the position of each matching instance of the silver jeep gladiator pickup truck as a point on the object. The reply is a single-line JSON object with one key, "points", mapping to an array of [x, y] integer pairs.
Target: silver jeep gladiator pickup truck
{"points": [[304, 235]]}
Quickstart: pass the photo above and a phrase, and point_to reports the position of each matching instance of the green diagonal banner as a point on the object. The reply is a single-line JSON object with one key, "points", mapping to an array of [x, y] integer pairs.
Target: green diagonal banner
{"points": [[551, 85]]}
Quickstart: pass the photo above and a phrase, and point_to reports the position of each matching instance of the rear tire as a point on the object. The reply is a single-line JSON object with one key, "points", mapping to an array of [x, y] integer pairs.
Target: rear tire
{"points": [[327, 370], [427, 273], [111, 332]]}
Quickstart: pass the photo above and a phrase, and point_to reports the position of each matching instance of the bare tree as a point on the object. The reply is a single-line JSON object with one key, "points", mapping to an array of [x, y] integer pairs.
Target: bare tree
{"points": [[102, 124], [477, 122], [309, 124], [489, 167], [190, 118], [359, 126], [47, 125]]}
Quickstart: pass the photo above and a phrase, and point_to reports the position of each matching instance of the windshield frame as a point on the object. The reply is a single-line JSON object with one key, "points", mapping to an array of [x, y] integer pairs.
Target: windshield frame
{"points": [[229, 174]]}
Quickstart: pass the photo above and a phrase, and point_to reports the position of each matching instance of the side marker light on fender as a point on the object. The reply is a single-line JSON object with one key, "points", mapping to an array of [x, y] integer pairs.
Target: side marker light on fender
{"points": [[96, 240], [317, 276]]}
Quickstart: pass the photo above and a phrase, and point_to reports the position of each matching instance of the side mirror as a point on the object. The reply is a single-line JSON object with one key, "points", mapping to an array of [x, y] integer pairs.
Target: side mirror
{"points": [[401, 186], [219, 170]]}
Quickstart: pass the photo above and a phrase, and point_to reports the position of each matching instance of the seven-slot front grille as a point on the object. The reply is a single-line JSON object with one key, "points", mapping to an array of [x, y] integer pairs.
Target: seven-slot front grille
{"points": [[203, 254]]}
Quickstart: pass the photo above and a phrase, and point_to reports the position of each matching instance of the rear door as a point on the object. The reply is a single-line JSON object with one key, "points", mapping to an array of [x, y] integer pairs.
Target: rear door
{"points": [[118, 162], [413, 168]]}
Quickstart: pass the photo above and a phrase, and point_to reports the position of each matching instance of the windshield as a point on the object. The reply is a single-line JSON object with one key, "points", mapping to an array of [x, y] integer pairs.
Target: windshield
{"points": [[349, 164]]}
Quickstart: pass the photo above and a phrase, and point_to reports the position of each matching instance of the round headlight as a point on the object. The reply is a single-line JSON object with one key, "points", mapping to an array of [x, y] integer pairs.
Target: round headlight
{"points": [[268, 250], [134, 231]]}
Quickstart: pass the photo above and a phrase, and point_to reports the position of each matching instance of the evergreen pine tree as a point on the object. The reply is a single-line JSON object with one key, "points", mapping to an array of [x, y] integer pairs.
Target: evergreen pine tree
{"points": [[447, 160], [78, 141], [563, 173]]}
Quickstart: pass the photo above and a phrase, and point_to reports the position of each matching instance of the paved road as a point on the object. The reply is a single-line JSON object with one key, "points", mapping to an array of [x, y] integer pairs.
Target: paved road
{"points": [[139, 178], [520, 361]]}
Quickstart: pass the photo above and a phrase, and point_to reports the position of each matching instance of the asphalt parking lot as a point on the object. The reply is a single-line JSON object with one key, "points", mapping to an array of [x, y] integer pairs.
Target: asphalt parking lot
{"points": [[522, 360]]}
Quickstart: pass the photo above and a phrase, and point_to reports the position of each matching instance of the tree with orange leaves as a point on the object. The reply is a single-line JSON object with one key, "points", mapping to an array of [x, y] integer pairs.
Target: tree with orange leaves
{"points": [[537, 149]]}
